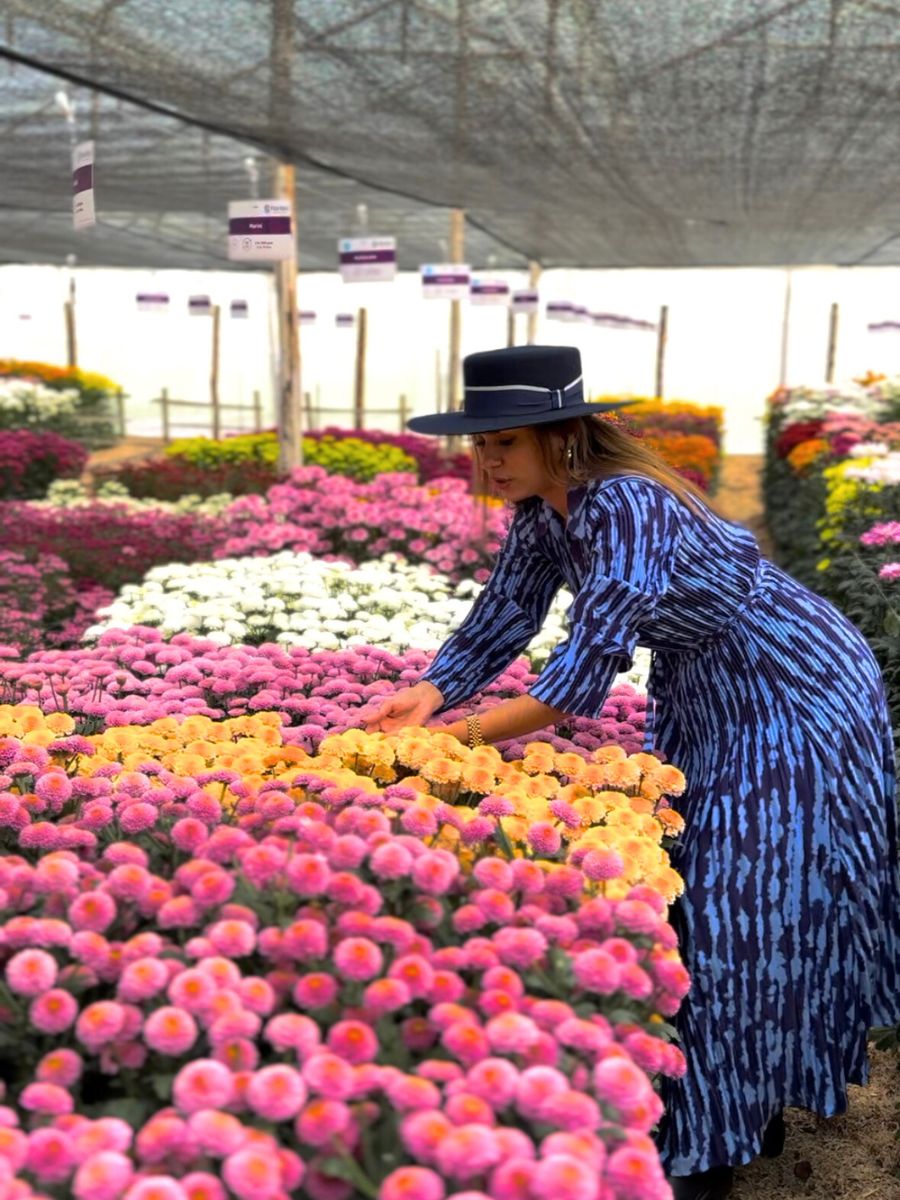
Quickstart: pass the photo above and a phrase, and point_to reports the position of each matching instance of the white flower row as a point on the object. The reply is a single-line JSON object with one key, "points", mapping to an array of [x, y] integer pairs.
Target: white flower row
{"points": [[805, 403], [35, 403], [71, 493], [299, 600]]}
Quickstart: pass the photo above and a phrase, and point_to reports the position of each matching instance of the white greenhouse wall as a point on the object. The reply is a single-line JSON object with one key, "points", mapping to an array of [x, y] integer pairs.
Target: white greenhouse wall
{"points": [[725, 342]]}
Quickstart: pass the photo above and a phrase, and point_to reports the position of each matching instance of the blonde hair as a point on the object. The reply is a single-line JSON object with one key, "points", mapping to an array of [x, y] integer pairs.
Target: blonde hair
{"points": [[595, 447]]}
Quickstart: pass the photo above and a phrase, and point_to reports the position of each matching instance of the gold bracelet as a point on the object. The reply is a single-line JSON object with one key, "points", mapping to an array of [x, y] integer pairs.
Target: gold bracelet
{"points": [[473, 730]]}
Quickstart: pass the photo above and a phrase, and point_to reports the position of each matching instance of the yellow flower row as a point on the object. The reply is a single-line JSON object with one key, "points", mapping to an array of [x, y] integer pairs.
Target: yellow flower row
{"points": [[613, 802]]}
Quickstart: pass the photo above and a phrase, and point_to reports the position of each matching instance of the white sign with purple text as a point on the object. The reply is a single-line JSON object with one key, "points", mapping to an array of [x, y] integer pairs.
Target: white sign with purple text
{"points": [[368, 259], [344, 320], [240, 308], [199, 306], [260, 230], [445, 281], [525, 301], [83, 214], [157, 302], [306, 316], [489, 291], [559, 310]]}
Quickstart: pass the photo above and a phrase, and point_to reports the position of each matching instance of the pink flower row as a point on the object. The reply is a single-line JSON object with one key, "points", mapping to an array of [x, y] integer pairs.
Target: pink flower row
{"points": [[314, 965], [134, 677]]}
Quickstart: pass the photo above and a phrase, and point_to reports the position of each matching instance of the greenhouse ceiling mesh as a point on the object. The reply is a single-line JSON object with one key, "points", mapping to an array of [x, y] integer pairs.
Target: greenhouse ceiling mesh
{"points": [[595, 133]]}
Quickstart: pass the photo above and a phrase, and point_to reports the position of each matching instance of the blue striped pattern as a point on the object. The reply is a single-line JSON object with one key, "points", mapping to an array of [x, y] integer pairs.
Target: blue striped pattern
{"points": [[773, 706]]}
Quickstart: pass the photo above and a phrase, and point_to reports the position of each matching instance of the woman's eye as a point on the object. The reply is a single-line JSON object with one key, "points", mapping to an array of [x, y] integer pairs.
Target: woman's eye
{"points": [[507, 441]]}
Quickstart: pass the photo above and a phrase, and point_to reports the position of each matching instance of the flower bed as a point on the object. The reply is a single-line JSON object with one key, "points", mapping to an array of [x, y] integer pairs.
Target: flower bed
{"points": [[65, 400], [40, 606], [135, 677], [832, 492], [438, 524], [228, 966], [688, 436], [304, 601], [30, 461]]}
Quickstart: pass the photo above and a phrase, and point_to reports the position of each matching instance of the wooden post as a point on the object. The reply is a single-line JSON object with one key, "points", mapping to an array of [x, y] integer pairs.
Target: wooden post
{"points": [[308, 411], [164, 406], [438, 383], [257, 411], [785, 328], [457, 251], [832, 344], [534, 276], [403, 412], [120, 411], [510, 327], [214, 375], [71, 341], [359, 387], [661, 349], [289, 409]]}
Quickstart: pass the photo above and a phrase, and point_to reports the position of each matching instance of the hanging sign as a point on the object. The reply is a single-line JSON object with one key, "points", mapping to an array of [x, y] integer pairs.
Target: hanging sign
{"points": [[559, 310], [24, 316], [884, 327], [152, 302], [614, 321], [368, 259], [239, 308], [345, 320], [489, 291], [445, 281], [525, 301], [579, 313], [83, 215], [199, 306], [260, 230], [306, 316]]}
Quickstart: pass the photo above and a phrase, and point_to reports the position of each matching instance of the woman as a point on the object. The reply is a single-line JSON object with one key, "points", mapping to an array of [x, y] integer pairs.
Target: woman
{"points": [[769, 701]]}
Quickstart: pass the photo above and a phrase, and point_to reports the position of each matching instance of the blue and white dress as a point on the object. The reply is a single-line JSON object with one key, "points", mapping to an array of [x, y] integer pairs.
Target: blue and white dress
{"points": [[773, 706]]}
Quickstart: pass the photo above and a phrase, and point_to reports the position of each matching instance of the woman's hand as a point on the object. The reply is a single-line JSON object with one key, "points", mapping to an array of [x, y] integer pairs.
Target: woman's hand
{"points": [[410, 706]]}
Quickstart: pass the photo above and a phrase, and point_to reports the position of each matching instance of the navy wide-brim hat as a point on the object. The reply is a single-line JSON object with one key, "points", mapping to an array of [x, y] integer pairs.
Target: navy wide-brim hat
{"points": [[523, 385]]}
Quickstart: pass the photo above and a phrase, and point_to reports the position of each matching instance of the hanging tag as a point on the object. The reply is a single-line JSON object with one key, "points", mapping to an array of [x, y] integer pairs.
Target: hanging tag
{"points": [[559, 310], [614, 321], [306, 316], [260, 230], [345, 320], [157, 302], [368, 259], [199, 306], [240, 308], [489, 291], [525, 301], [83, 215], [445, 281]]}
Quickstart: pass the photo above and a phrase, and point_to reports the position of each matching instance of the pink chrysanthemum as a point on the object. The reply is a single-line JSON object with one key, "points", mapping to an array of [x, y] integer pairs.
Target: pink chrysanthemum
{"points": [[235, 939], [520, 947], [217, 1133], [315, 990], [253, 1174], [329, 1076], [563, 1177], [277, 1092], [635, 1173], [203, 1083], [200, 1185], [103, 1176], [512, 1033], [358, 959], [412, 1183], [54, 1011], [142, 979], [353, 1041], [63, 1067], [321, 1121], [31, 972], [597, 971], [467, 1151], [50, 1155], [48, 1099], [603, 863], [100, 1023], [155, 1187], [170, 1030], [512, 1179]]}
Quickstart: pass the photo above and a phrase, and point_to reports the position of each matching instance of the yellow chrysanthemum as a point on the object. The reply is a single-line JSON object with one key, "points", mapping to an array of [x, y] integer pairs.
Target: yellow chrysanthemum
{"points": [[441, 770]]}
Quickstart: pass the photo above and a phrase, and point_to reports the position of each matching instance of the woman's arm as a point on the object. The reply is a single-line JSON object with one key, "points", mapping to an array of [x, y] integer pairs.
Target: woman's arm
{"points": [[511, 719]]}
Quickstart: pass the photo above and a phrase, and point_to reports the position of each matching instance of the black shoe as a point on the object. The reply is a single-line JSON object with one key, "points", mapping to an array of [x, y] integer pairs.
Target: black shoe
{"points": [[773, 1138], [714, 1184]]}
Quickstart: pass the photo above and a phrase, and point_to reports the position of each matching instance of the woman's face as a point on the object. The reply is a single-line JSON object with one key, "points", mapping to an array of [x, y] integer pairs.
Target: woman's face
{"points": [[511, 459]]}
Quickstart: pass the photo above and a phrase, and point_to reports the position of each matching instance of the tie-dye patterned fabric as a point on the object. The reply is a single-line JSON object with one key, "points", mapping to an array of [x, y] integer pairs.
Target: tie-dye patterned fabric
{"points": [[773, 706]]}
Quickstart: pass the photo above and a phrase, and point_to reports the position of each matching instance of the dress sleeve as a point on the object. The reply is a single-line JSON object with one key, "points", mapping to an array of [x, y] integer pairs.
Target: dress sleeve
{"points": [[507, 614], [634, 529]]}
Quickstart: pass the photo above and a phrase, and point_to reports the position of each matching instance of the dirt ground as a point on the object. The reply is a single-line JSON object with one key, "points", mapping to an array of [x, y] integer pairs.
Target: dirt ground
{"points": [[852, 1157]]}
